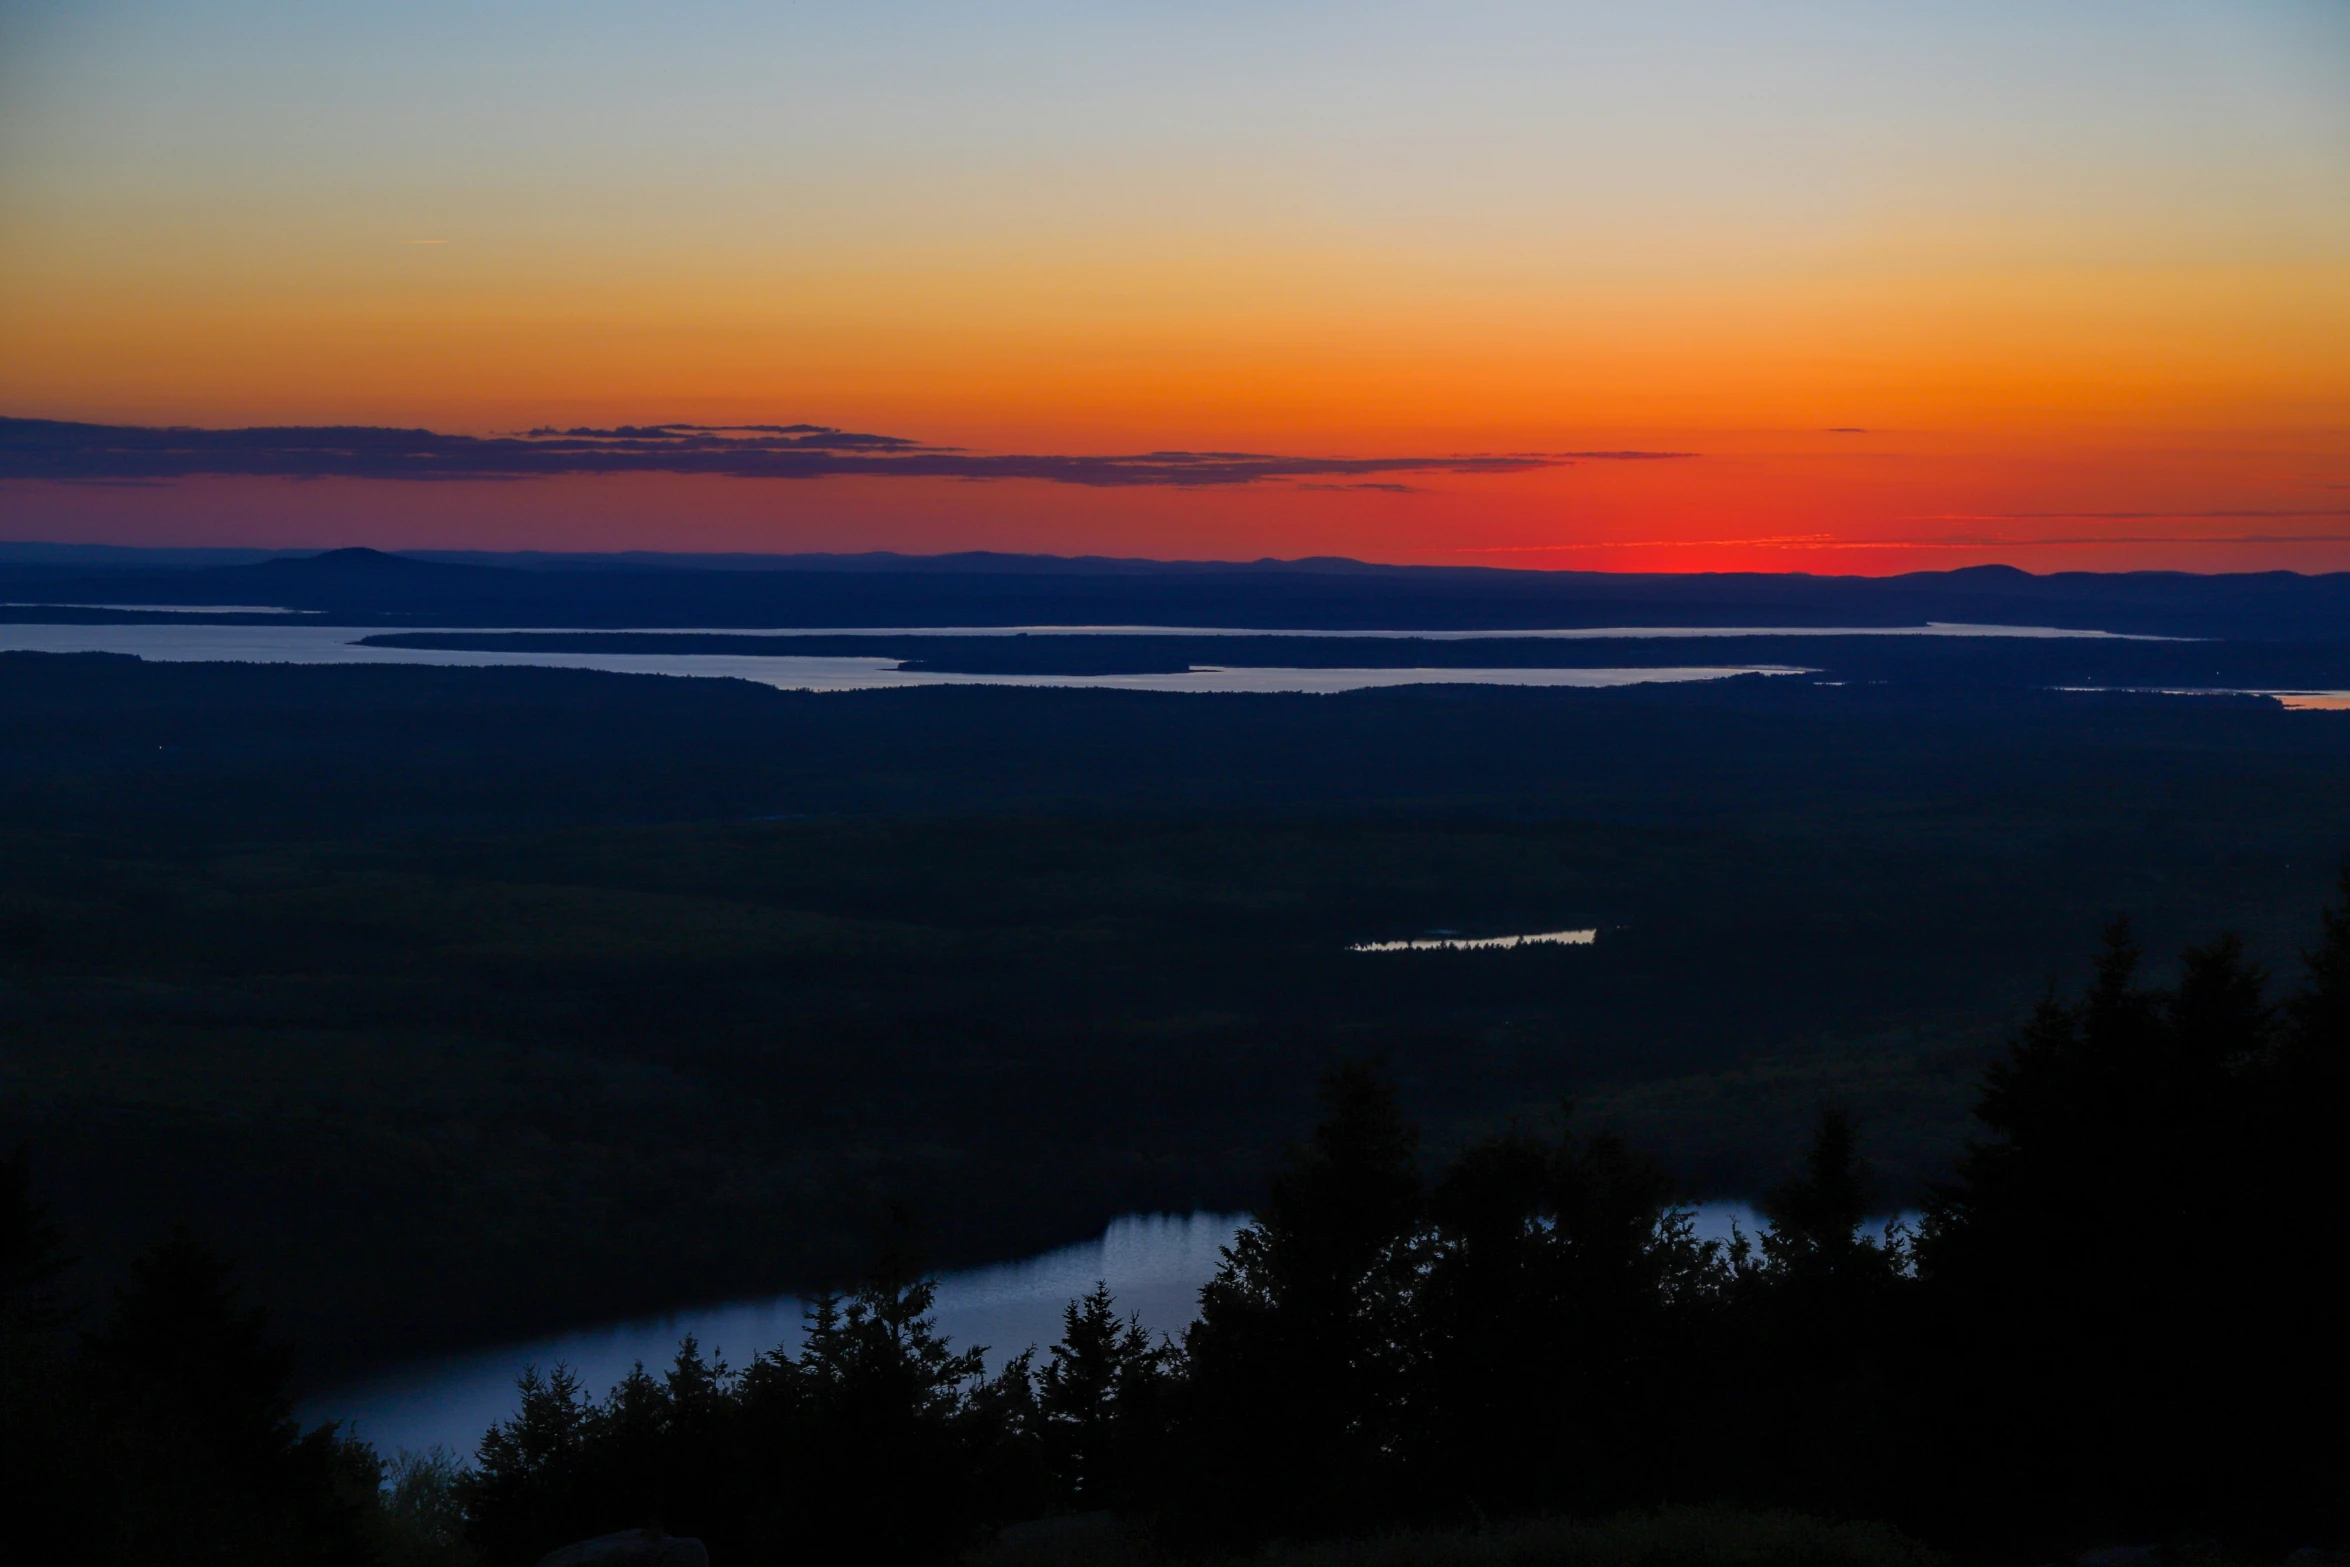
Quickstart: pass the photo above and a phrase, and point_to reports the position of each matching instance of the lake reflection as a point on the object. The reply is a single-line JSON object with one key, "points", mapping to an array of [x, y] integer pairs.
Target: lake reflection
{"points": [[315, 644], [1153, 1263], [1544, 938]]}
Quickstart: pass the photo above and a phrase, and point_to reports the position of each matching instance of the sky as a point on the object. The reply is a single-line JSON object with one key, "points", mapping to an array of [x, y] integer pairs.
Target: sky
{"points": [[1867, 287]]}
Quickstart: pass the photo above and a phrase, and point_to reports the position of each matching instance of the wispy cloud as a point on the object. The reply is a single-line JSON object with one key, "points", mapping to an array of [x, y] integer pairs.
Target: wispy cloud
{"points": [[47, 449], [1800, 541], [2003, 541], [1969, 541], [1611, 456]]}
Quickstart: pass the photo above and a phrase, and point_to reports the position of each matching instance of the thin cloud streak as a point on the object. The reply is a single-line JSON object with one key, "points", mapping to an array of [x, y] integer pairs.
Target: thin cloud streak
{"points": [[57, 451], [1784, 541], [1828, 541]]}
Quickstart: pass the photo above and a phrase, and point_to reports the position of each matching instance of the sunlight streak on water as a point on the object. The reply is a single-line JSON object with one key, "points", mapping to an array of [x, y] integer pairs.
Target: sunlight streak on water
{"points": [[2292, 701], [1557, 938]]}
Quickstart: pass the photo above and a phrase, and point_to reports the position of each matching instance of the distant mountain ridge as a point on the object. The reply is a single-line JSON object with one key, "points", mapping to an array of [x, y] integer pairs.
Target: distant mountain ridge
{"points": [[981, 588]]}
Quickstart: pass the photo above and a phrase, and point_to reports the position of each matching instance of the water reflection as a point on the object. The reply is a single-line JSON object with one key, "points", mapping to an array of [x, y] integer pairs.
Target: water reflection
{"points": [[316, 644], [1550, 938], [1153, 1263], [168, 609], [2300, 701]]}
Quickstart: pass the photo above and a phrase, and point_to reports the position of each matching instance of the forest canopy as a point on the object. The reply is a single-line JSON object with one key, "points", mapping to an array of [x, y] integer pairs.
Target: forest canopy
{"points": [[2115, 1307]]}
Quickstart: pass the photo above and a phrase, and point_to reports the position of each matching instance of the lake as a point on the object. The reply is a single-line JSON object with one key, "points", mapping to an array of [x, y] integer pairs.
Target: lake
{"points": [[1153, 1263], [305, 643]]}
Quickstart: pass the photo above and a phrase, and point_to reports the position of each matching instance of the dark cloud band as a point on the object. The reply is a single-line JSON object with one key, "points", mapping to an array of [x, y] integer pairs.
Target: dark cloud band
{"points": [[56, 450]]}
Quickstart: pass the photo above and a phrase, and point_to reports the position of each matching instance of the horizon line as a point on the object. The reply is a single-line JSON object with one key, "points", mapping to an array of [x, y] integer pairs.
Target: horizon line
{"points": [[66, 551]]}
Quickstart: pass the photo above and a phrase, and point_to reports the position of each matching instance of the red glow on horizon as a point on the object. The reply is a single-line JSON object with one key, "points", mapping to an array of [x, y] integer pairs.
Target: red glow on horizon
{"points": [[1826, 504]]}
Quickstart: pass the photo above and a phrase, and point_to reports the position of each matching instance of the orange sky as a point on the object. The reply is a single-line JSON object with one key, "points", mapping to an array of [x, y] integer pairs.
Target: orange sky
{"points": [[2081, 273]]}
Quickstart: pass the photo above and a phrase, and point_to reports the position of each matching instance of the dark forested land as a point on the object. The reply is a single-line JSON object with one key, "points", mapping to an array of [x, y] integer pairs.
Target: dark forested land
{"points": [[2112, 1325], [2118, 1321], [469, 1002]]}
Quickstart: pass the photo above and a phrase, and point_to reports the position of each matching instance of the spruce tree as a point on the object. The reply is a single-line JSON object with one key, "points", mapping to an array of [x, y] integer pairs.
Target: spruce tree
{"points": [[1819, 1316], [2097, 1270], [1550, 1336], [1297, 1359], [1097, 1388], [192, 1396], [1816, 1216]]}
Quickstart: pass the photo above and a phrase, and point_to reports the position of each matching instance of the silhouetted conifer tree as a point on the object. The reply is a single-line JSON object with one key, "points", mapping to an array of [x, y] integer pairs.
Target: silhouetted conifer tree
{"points": [[2320, 1014], [1550, 1336], [1102, 1388], [193, 1419], [1816, 1216], [1297, 1357], [1818, 1314], [877, 1439], [2100, 1270], [526, 1494], [2304, 1127]]}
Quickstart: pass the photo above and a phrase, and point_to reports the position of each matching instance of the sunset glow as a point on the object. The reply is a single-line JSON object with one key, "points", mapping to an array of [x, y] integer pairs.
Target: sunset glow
{"points": [[2065, 286]]}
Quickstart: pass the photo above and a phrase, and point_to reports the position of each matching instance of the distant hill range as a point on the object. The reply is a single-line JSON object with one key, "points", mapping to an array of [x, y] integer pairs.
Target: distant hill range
{"points": [[365, 586]]}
